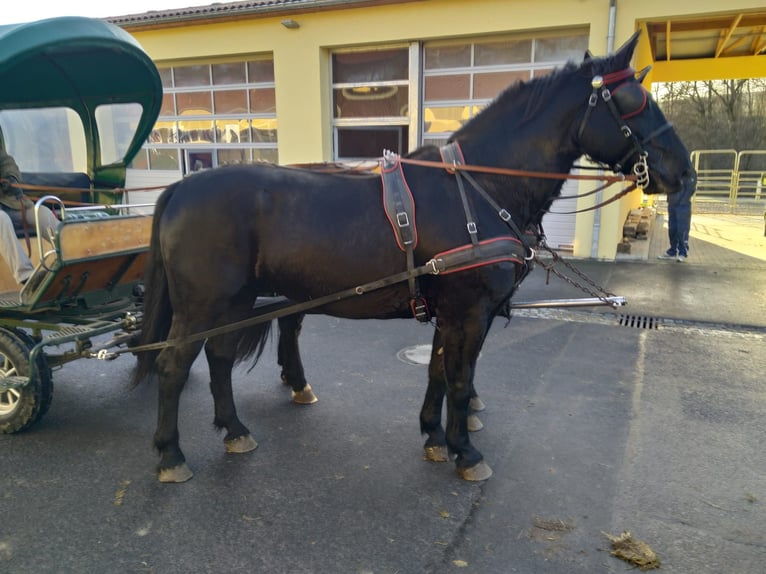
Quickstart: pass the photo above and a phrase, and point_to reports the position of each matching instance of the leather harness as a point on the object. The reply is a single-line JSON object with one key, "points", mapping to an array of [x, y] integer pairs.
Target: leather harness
{"points": [[399, 206]]}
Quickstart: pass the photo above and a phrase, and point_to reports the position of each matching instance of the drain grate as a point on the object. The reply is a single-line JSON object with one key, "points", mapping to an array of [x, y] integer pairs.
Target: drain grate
{"points": [[640, 322]]}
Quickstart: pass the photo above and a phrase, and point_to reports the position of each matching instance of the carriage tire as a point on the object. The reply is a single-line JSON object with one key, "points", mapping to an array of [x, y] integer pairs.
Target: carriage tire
{"points": [[21, 409]]}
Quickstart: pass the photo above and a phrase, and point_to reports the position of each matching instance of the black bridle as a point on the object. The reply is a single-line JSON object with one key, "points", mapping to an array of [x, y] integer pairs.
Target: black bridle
{"points": [[601, 92]]}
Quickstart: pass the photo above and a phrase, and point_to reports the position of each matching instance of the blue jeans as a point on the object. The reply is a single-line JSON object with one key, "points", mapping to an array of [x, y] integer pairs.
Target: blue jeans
{"points": [[679, 221]]}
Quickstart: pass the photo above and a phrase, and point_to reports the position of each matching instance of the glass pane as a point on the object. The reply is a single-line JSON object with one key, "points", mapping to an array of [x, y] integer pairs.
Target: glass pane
{"points": [[505, 52], [264, 130], [141, 161], [166, 75], [560, 49], [194, 103], [168, 106], [263, 101], [444, 120], [189, 76], [270, 155], [164, 132], [45, 139], [231, 73], [376, 66], [233, 156], [260, 71], [232, 131], [457, 87], [369, 142], [230, 102], [117, 124], [371, 102], [195, 131], [491, 84], [163, 159], [447, 57], [540, 72]]}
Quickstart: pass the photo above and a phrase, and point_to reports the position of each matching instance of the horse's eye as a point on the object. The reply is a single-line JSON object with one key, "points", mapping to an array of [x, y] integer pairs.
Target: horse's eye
{"points": [[630, 98]]}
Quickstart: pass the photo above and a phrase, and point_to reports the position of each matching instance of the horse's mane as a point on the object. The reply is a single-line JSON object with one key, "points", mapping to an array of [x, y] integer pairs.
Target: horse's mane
{"points": [[525, 99]]}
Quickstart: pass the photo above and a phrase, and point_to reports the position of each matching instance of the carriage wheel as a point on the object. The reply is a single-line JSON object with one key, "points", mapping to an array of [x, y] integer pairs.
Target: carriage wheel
{"points": [[21, 408]]}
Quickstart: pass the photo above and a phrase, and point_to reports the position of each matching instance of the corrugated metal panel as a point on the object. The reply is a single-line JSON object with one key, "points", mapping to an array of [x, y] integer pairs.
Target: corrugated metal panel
{"points": [[559, 227]]}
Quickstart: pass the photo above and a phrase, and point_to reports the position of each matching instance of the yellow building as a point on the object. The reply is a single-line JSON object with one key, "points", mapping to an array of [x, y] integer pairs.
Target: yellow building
{"points": [[298, 81]]}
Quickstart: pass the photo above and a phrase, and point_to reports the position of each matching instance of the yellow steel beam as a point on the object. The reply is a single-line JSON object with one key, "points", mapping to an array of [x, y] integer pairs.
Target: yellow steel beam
{"points": [[725, 35], [667, 40], [730, 68]]}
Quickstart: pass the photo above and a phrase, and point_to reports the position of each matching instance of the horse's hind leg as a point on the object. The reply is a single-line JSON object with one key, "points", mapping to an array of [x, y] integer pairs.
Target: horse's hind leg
{"points": [[221, 355], [173, 365], [289, 358]]}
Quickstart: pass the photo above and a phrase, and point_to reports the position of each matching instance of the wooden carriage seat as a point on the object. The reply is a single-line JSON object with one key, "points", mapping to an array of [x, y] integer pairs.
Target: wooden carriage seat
{"points": [[97, 260]]}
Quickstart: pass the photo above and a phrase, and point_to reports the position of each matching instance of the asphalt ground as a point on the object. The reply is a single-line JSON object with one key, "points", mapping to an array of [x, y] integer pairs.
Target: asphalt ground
{"points": [[593, 425]]}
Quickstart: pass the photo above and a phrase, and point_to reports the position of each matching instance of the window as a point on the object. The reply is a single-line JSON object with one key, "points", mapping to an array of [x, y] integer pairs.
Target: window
{"points": [[370, 98], [460, 78], [214, 114]]}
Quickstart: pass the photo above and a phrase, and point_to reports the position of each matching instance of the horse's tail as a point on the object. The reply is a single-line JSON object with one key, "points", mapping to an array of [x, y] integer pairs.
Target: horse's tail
{"points": [[158, 312]]}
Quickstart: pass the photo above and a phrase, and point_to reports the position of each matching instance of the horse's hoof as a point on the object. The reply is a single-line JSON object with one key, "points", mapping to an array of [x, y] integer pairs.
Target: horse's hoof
{"points": [[244, 443], [304, 397], [477, 405], [436, 454], [478, 472], [474, 424], [180, 473]]}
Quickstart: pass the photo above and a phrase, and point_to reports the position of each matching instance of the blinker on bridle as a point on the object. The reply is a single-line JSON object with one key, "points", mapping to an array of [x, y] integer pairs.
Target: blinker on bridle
{"points": [[601, 91]]}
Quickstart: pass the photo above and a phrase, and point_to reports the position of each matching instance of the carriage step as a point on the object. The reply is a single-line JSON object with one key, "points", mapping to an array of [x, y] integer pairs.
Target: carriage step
{"points": [[13, 383]]}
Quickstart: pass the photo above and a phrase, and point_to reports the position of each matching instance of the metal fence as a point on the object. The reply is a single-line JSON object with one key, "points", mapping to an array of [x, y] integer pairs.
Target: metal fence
{"points": [[729, 181]]}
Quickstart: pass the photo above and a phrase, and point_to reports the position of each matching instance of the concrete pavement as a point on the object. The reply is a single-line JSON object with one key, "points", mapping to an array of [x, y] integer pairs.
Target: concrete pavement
{"points": [[723, 281], [590, 428]]}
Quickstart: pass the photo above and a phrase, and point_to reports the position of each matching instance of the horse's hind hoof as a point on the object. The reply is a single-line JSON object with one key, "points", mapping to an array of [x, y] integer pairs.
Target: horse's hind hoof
{"points": [[304, 397], [180, 473], [477, 405], [436, 454], [244, 443], [474, 424], [478, 472]]}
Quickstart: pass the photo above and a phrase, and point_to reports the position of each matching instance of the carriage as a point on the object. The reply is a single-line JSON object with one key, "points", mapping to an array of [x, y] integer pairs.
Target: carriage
{"points": [[79, 97]]}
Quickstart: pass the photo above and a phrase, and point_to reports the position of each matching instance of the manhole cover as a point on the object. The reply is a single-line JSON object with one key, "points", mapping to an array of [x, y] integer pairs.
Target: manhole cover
{"points": [[415, 355]]}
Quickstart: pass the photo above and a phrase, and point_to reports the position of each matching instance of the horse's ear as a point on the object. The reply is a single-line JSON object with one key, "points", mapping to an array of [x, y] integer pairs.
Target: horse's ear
{"points": [[642, 74], [625, 52], [588, 56]]}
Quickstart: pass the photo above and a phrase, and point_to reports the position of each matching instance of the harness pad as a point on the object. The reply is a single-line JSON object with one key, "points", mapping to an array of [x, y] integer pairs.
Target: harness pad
{"points": [[397, 202]]}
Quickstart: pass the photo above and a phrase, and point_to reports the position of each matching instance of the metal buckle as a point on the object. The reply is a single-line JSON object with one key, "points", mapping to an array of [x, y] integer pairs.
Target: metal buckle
{"points": [[472, 228], [402, 220], [504, 215], [433, 267]]}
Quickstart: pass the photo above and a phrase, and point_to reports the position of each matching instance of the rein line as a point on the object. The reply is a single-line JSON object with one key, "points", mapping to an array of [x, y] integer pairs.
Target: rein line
{"points": [[518, 172]]}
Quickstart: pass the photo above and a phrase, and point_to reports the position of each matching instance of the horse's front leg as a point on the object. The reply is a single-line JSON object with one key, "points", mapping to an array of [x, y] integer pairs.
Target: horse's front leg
{"points": [[173, 365], [462, 341], [431, 412], [289, 358], [220, 353]]}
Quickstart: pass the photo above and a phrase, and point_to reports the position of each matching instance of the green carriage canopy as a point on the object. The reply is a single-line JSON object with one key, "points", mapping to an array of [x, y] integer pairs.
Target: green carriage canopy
{"points": [[81, 63]]}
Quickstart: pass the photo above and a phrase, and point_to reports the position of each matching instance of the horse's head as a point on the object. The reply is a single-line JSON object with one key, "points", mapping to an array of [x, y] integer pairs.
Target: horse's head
{"points": [[624, 128]]}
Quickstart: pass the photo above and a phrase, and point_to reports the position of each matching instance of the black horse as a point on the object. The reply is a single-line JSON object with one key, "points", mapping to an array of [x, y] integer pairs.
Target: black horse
{"points": [[224, 237]]}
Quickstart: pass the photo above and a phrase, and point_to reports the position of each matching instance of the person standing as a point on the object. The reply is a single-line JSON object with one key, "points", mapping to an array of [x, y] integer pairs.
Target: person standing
{"points": [[679, 223]]}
